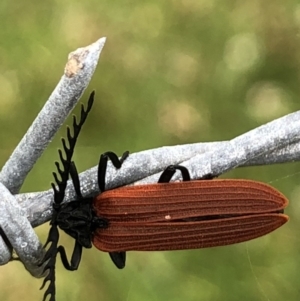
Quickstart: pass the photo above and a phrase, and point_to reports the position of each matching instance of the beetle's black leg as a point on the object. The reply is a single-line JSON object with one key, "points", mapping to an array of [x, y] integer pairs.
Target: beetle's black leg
{"points": [[76, 257], [208, 177], [118, 258], [169, 172], [102, 166]]}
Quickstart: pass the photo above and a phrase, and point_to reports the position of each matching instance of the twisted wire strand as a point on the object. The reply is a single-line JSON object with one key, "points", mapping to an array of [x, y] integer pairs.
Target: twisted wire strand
{"points": [[16, 231]]}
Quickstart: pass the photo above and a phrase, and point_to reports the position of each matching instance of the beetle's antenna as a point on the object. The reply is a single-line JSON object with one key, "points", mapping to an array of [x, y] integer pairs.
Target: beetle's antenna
{"points": [[59, 193]]}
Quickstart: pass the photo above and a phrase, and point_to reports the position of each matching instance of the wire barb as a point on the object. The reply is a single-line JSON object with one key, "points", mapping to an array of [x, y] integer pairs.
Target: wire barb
{"points": [[59, 188]]}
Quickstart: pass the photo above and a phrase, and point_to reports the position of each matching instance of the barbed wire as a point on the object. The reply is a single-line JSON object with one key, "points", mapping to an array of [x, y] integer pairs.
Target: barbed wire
{"points": [[272, 143]]}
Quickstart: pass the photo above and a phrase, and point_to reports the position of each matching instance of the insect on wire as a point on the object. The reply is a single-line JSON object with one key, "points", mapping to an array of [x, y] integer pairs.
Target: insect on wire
{"points": [[168, 215]]}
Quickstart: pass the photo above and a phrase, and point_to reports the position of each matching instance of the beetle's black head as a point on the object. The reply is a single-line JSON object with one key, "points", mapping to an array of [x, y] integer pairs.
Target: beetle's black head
{"points": [[78, 220]]}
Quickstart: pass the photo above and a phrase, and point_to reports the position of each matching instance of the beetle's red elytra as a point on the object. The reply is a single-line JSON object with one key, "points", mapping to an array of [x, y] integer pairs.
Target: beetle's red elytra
{"points": [[187, 215]]}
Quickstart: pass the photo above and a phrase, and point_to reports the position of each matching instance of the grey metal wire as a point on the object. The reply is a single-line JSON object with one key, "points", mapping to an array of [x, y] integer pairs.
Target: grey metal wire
{"points": [[274, 142], [78, 72]]}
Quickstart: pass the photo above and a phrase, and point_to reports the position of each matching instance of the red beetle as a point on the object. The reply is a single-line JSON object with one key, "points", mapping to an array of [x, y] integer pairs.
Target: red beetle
{"points": [[162, 216]]}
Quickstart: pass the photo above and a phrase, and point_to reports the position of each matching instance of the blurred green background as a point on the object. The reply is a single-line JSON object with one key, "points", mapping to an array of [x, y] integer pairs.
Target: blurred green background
{"points": [[171, 72]]}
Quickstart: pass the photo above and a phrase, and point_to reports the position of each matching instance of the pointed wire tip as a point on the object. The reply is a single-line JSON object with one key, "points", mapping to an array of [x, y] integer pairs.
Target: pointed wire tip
{"points": [[102, 40], [98, 45]]}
